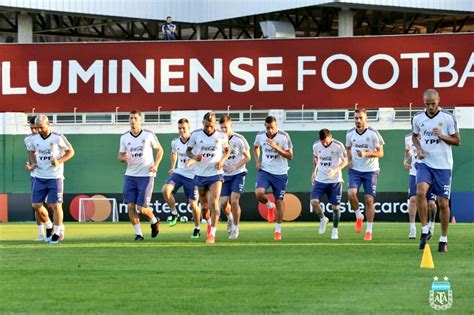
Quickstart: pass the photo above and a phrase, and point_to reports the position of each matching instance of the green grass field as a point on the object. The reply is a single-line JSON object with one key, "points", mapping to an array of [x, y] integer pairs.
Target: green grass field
{"points": [[98, 269]]}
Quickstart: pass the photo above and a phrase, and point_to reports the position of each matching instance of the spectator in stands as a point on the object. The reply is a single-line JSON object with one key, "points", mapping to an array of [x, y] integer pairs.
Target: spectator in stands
{"points": [[169, 29]]}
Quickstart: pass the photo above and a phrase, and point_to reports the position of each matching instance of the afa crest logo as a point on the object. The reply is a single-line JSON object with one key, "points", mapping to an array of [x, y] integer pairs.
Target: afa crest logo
{"points": [[441, 295]]}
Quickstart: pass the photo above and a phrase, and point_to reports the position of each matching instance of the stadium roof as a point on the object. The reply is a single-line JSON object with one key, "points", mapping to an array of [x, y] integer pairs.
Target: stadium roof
{"points": [[204, 11]]}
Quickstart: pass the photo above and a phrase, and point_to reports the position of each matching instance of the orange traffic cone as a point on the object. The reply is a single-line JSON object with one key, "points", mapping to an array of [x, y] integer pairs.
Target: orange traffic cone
{"points": [[427, 260], [453, 220]]}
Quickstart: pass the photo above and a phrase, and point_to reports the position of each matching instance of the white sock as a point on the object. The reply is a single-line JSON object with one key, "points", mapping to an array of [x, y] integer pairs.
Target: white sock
{"points": [[153, 220], [213, 231], [358, 214], [431, 224], [278, 227], [56, 229], [235, 228], [443, 238], [369, 227], [230, 217], [174, 212], [49, 224], [412, 225], [322, 218], [197, 227], [138, 229], [335, 230], [424, 229], [40, 230], [208, 222], [269, 204]]}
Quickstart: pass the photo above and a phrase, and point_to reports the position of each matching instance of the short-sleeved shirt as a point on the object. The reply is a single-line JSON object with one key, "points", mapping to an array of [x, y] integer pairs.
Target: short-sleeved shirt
{"points": [[368, 140], [140, 152], [29, 147], [272, 161], [438, 154], [413, 152], [53, 146], [238, 146], [328, 158], [211, 147], [179, 147]]}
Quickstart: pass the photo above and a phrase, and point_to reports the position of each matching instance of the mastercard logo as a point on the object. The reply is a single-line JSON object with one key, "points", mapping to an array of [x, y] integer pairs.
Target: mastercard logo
{"points": [[292, 207], [94, 210]]}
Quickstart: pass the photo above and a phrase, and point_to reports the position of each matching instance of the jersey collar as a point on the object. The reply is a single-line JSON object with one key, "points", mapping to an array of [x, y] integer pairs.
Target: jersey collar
{"points": [[360, 134], [138, 135], [44, 138]]}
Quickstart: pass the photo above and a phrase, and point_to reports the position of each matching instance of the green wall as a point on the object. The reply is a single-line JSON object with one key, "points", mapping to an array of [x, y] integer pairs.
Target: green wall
{"points": [[95, 167]]}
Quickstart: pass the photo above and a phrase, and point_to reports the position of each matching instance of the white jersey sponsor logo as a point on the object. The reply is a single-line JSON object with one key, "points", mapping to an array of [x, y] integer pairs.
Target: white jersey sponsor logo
{"points": [[47, 149], [438, 154], [140, 152], [211, 147], [368, 140], [179, 148], [328, 158], [272, 161], [238, 146]]}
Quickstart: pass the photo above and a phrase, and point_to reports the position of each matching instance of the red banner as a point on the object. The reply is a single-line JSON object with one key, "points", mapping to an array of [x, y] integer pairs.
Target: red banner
{"points": [[389, 71]]}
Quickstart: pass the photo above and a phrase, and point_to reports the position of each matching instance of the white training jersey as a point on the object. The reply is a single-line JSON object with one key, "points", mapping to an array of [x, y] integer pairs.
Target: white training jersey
{"points": [[328, 158], [238, 146], [29, 148], [272, 161], [409, 146], [211, 147], [53, 146], [140, 152], [438, 154], [368, 140], [179, 148]]}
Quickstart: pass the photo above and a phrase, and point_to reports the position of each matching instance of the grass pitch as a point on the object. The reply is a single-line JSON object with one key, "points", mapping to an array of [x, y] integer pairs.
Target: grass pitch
{"points": [[98, 269]]}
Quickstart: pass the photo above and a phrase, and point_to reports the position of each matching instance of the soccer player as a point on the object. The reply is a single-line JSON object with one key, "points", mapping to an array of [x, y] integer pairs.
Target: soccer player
{"points": [[210, 148], [329, 158], [42, 215], [272, 170], [438, 131], [410, 153], [136, 149], [234, 176], [51, 150], [364, 148], [182, 174]]}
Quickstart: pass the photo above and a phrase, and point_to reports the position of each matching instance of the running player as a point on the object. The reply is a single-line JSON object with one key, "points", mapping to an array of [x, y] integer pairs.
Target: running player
{"points": [[210, 148], [136, 149], [42, 215], [234, 176], [329, 158], [438, 131], [51, 151], [182, 174], [410, 153], [364, 148], [272, 170]]}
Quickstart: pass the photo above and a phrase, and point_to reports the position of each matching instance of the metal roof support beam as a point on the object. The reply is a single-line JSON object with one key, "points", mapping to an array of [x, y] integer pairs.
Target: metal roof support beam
{"points": [[25, 28], [345, 23]]}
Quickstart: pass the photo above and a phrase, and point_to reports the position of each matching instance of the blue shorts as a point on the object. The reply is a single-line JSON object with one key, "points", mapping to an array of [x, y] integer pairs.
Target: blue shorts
{"points": [[277, 182], [439, 180], [32, 182], [367, 179], [177, 180], [207, 181], [332, 190], [412, 190], [138, 190], [233, 183], [47, 190]]}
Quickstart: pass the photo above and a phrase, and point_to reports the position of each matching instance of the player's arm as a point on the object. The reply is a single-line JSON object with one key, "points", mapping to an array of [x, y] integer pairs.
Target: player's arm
{"points": [[378, 153], [173, 159], [340, 166], [349, 156], [68, 154], [315, 169], [287, 154], [406, 159], [189, 154], [256, 152], [220, 164], [417, 144], [454, 139], [158, 157], [31, 163]]}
